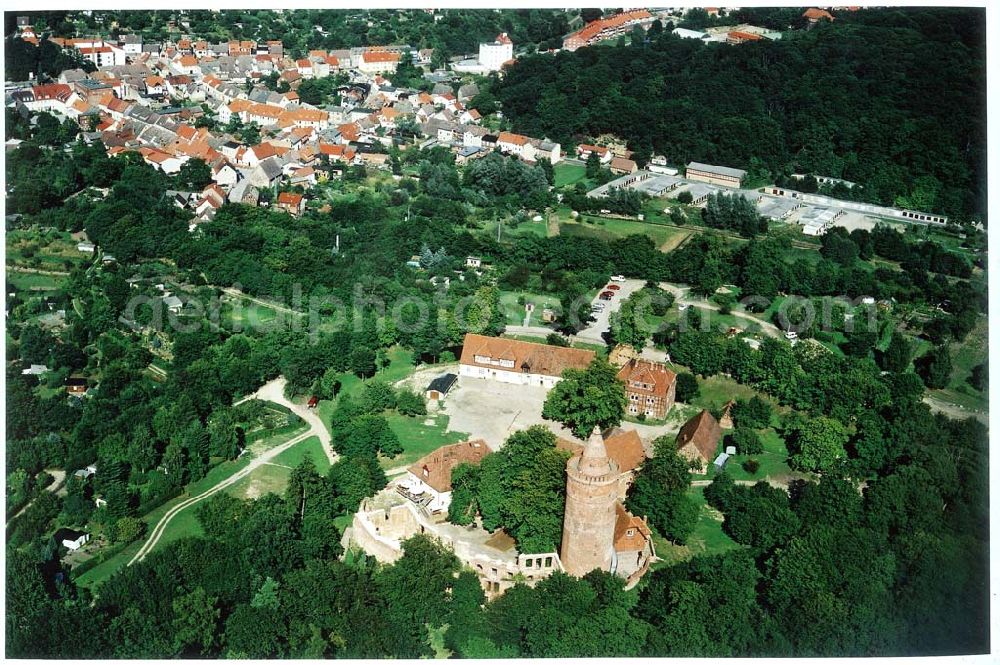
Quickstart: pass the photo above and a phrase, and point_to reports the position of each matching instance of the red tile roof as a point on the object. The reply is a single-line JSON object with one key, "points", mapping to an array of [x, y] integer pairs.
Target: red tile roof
{"points": [[373, 55], [435, 469], [289, 199], [509, 137], [594, 28], [527, 357], [814, 14], [624, 521], [636, 374]]}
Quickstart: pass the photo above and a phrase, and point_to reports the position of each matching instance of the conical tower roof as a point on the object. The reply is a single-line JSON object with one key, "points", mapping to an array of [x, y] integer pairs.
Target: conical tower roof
{"points": [[594, 461]]}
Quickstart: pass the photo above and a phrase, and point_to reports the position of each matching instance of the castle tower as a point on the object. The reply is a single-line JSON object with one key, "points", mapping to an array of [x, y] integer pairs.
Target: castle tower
{"points": [[589, 523]]}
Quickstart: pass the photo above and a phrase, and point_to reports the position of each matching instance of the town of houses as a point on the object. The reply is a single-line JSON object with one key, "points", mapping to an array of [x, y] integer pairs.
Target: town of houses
{"points": [[149, 97]]}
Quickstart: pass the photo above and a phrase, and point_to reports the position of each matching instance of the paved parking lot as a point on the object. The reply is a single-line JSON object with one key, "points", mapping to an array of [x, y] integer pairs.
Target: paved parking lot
{"points": [[594, 332], [492, 411]]}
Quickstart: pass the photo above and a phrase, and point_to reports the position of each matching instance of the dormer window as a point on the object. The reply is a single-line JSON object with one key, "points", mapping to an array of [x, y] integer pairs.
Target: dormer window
{"points": [[630, 533]]}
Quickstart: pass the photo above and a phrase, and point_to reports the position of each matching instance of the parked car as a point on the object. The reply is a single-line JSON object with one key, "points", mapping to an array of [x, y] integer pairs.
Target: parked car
{"points": [[607, 295], [791, 335], [597, 307], [682, 307], [612, 287], [618, 278]]}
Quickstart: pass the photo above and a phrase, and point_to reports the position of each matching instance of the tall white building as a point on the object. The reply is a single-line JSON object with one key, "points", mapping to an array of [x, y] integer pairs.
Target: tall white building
{"points": [[494, 54]]}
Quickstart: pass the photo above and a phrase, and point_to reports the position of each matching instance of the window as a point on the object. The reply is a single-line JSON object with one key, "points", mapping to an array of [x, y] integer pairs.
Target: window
{"points": [[529, 562], [548, 562], [506, 363], [482, 359], [630, 533]]}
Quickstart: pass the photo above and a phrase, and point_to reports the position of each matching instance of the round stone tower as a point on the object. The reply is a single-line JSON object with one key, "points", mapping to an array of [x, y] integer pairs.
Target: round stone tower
{"points": [[591, 498]]}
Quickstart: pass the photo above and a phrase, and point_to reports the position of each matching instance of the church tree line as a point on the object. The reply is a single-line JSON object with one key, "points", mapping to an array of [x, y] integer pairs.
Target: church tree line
{"points": [[891, 99]]}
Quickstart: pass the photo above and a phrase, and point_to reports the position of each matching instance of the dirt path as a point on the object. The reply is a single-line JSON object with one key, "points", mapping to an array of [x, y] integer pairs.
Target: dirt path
{"points": [[274, 391], [57, 487], [955, 411], [681, 294], [161, 526], [236, 293], [553, 226], [38, 271], [674, 242]]}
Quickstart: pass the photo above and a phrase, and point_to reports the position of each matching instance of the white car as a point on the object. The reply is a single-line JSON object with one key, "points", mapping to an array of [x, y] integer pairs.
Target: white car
{"points": [[618, 278], [791, 335], [682, 307], [597, 307]]}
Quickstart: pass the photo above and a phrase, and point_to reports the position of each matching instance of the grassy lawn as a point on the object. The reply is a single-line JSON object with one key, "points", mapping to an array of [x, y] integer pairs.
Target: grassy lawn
{"points": [[568, 174], [419, 438], [435, 639], [706, 538], [716, 390], [527, 228], [515, 312], [184, 525], [311, 447], [266, 479], [27, 281], [247, 314], [400, 366], [964, 356], [772, 460], [610, 229]]}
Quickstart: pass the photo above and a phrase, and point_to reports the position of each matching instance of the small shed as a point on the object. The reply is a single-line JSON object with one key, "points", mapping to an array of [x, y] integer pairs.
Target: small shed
{"points": [[440, 386], [86, 472], [721, 460], [76, 385]]}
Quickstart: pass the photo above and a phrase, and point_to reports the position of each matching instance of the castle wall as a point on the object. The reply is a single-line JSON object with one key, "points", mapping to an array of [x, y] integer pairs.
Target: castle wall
{"points": [[380, 532]]}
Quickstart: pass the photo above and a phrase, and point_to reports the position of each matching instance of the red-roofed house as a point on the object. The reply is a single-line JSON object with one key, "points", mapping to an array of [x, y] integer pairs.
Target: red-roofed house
{"points": [[374, 61], [584, 151], [154, 86], [814, 15], [739, 37], [304, 67], [511, 143], [607, 28], [428, 481], [292, 203], [650, 388], [514, 361]]}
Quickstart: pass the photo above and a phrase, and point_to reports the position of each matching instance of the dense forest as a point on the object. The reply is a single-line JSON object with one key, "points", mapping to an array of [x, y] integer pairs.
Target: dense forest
{"points": [[892, 100]]}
